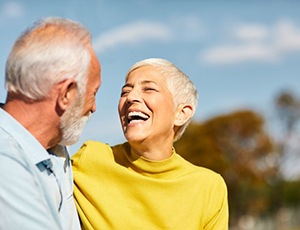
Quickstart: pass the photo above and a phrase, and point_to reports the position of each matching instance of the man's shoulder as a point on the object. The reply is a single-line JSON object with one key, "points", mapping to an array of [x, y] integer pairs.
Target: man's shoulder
{"points": [[9, 144]]}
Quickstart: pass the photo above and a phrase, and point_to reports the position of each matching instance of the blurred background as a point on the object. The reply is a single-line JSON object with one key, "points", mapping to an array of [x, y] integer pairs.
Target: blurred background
{"points": [[243, 57]]}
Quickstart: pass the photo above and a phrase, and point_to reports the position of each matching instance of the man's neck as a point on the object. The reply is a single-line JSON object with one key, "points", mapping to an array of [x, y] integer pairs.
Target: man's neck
{"points": [[37, 118]]}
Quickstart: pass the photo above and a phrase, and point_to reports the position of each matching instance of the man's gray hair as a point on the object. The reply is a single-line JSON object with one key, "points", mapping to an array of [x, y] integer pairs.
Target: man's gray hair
{"points": [[51, 51]]}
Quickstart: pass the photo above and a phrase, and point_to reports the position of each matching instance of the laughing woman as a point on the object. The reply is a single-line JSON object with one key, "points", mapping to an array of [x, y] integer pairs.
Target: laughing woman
{"points": [[144, 183]]}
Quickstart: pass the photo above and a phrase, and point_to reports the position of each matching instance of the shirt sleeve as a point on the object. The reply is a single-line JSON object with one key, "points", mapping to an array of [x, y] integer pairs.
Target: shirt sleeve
{"points": [[22, 203], [219, 218]]}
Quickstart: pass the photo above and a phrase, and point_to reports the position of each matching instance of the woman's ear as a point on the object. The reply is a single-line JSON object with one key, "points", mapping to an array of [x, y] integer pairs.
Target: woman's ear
{"points": [[183, 113], [66, 93]]}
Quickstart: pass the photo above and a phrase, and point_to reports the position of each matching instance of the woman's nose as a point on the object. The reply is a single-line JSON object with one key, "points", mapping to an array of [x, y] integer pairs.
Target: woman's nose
{"points": [[133, 96]]}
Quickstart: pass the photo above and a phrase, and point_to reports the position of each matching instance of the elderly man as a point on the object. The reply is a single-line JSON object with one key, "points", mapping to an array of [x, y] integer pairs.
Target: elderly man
{"points": [[52, 77]]}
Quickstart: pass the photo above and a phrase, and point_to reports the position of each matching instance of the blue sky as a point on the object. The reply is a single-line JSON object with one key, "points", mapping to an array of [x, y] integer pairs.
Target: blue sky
{"points": [[240, 54]]}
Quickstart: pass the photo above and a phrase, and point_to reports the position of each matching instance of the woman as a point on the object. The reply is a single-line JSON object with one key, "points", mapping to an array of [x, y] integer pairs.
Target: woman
{"points": [[144, 183]]}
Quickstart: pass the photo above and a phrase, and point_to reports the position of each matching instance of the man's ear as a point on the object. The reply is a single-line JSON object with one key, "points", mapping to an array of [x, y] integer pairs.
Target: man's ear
{"points": [[67, 93], [183, 113]]}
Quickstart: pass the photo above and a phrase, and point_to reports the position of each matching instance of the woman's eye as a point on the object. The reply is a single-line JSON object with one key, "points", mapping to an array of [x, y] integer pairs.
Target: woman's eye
{"points": [[124, 93], [149, 89]]}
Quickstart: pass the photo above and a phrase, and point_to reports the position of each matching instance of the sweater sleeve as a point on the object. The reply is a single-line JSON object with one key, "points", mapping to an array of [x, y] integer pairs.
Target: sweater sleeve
{"points": [[86, 162], [219, 217], [87, 157]]}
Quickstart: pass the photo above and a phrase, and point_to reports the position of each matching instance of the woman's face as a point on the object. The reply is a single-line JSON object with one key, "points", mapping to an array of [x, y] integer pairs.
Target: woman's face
{"points": [[146, 107]]}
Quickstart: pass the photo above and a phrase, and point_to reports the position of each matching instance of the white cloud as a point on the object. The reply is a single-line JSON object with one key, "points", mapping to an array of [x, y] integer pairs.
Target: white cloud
{"points": [[229, 54], [133, 33], [252, 32], [256, 43], [288, 36], [12, 10]]}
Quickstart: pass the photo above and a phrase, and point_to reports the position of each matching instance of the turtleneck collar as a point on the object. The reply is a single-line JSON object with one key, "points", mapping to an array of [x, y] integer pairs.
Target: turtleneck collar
{"points": [[164, 169]]}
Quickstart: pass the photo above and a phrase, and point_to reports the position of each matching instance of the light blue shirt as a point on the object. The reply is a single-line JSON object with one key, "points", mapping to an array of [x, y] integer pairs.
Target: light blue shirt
{"points": [[36, 188]]}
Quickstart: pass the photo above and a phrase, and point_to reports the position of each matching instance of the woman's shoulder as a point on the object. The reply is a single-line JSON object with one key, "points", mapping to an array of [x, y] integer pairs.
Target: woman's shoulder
{"points": [[94, 144], [90, 151], [202, 172]]}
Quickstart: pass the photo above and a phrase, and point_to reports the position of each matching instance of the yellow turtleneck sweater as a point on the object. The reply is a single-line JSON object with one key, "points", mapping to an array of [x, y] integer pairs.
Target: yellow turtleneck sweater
{"points": [[115, 189]]}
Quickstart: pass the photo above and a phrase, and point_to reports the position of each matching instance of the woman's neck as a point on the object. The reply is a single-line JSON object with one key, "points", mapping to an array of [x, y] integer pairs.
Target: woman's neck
{"points": [[154, 152]]}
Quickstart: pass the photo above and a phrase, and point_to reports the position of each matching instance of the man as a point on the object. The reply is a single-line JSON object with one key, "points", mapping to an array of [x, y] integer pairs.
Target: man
{"points": [[52, 77]]}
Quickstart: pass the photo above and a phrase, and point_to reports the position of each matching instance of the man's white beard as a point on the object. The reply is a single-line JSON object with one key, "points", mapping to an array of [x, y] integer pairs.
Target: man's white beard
{"points": [[72, 123]]}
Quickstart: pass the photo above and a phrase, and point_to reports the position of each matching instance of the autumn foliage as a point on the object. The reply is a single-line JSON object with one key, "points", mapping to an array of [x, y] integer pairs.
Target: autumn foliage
{"points": [[237, 146]]}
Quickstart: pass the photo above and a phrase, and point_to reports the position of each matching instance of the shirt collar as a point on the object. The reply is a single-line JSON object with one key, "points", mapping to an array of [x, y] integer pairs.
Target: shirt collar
{"points": [[30, 145]]}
